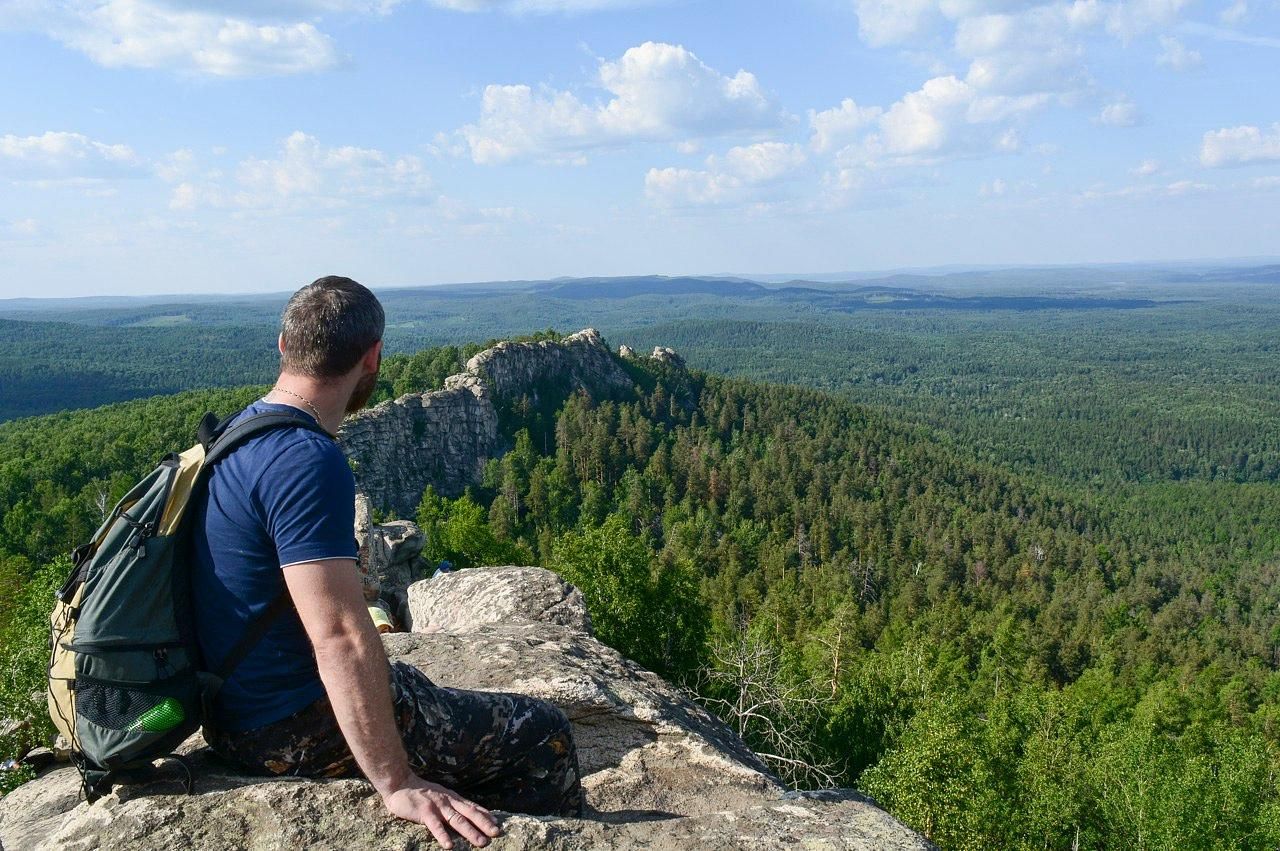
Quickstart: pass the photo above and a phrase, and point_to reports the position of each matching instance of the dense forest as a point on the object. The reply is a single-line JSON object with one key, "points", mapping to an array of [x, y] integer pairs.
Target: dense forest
{"points": [[1004, 655]]}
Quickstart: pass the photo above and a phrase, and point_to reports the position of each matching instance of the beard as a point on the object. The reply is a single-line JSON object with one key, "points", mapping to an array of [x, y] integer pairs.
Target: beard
{"points": [[361, 392]]}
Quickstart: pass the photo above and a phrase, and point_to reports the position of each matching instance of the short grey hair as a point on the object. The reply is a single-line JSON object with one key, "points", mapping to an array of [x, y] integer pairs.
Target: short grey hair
{"points": [[328, 325]]}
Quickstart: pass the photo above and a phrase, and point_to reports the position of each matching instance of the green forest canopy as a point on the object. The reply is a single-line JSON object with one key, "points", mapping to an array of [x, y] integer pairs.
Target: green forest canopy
{"points": [[1003, 658]]}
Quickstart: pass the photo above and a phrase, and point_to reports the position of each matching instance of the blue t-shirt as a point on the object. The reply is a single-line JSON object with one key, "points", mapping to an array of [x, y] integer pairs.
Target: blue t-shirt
{"points": [[282, 497]]}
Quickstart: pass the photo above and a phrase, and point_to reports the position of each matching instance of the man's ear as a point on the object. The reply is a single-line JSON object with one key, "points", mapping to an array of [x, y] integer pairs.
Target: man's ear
{"points": [[280, 343], [373, 358]]}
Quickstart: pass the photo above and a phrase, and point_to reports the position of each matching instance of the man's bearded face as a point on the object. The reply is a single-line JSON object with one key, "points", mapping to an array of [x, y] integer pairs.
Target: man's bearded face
{"points": [[361, 393]]}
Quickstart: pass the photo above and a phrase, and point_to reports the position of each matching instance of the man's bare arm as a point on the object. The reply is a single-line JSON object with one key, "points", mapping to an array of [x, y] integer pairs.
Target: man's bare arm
{"points": [[353, 667]]}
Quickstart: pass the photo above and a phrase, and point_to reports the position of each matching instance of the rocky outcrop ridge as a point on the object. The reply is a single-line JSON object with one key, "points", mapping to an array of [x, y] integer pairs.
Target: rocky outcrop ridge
{"points": [[581, 359], [659, 771], [443, 438]]}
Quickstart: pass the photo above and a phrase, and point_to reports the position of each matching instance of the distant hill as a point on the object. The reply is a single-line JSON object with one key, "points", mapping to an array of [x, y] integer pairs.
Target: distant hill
{"points": [[584, 288]]}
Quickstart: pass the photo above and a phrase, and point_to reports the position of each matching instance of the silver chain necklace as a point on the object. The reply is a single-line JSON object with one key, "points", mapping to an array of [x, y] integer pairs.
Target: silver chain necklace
{"points": [[304, 399]]}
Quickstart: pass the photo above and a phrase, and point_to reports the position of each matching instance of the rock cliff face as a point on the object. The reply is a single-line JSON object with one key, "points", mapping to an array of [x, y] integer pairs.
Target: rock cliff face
{"points": [[659, 771], [443, 438]]}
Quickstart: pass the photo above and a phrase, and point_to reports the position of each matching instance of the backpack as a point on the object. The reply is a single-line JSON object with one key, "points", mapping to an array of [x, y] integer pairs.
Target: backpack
{"points": [[126, 681]]}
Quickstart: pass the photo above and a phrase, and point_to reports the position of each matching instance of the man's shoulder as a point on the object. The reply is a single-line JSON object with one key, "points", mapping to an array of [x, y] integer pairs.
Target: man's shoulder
{"points": [[296, 441], [286, 455]]}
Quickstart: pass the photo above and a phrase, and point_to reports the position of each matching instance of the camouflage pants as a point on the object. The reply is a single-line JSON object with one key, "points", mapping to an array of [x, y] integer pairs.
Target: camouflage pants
{"points": [[503, 751]]}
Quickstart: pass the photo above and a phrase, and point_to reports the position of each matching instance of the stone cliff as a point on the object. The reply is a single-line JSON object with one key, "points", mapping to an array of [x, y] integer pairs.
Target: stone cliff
{"points": [[442, 438], [659, 771]]}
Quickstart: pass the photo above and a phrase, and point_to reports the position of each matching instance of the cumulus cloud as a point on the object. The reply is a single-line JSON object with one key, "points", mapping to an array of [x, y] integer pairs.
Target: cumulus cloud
{"points": [[1146, 168], [945, 118], [1017, 47], [837, 126], [994, 188], [228, 39], [235, 38], [1176, 189], [1119, 113], [306, 174], [659, 91], [57, 156], [1174, 54], [884, 22], [536, 6], [737, 177], [1235, 12], [1240, 146], [892, 22]]}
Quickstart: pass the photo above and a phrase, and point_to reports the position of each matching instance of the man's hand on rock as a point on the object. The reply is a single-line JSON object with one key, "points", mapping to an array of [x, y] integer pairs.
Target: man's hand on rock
{"points": [[442, 810]]}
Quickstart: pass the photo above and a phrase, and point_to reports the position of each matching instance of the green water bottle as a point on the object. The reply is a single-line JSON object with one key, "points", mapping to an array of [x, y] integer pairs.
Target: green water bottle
{"points": [[163, 716]]}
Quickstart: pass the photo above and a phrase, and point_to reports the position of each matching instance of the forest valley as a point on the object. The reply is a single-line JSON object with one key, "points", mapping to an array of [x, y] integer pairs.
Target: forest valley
{"points": [[1001, 660]]}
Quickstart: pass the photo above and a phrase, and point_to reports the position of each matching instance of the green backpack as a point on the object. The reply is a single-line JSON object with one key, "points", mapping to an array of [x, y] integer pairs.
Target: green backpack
{"points": [[126, 681]]}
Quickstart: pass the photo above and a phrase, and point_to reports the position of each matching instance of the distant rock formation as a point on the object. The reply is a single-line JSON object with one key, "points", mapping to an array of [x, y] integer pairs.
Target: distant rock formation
{"points": [[442, 438], [659, 771]]}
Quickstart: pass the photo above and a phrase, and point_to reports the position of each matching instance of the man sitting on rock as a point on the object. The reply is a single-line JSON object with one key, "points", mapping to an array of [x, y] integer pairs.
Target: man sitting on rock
{"points": [[312, 698]]}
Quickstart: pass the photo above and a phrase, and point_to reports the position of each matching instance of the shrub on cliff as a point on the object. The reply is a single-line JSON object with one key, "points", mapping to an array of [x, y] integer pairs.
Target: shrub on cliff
{"points": [[648, 611]]}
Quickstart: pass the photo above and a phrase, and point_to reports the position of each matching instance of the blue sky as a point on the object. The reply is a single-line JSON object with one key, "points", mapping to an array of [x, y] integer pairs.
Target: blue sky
{"points": [[171, 146]]}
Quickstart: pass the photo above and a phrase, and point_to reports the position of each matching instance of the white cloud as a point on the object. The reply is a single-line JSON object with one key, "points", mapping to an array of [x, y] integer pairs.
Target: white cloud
{"points": [[1240, 146], [946, 117], [1234, 13], [60, 156], [1126, 20], [1119, 113], [838, 125], [659, 91], [1186, 187], [228, 40], [306, 174], [537, 6], [18, 229], [1177, 56], [1146, 168], [1016, 47], [996, 187], [1176, 189], [1035, 50], [923, 121], [737, 177], [176, 165], [235, 38], [883, 22]]}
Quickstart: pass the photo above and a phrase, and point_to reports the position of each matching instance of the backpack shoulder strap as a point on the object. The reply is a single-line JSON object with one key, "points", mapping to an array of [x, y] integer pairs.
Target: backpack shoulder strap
{"points": [[225, 439], [218, 441], [213, 680]]}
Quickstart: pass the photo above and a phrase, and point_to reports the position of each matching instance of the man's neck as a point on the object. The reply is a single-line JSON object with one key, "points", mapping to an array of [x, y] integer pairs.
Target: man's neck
{"points": [[326, 401]]}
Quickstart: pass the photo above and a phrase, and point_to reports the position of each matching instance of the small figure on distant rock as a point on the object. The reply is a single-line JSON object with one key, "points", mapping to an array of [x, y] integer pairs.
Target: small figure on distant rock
{"points": [[446, 566]]}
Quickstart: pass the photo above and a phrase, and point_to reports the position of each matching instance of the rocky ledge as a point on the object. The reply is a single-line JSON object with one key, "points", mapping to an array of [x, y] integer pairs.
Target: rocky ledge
{"points": [[659, 771]]}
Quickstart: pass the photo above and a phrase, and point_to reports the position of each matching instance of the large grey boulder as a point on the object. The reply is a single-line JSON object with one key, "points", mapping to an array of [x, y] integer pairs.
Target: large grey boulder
{"points": [[659, 771], [388, 558], [466, 599]]}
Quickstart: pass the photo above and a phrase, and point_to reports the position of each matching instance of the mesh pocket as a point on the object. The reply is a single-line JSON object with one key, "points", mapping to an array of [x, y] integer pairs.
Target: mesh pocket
{"points": [[115, 707]]}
